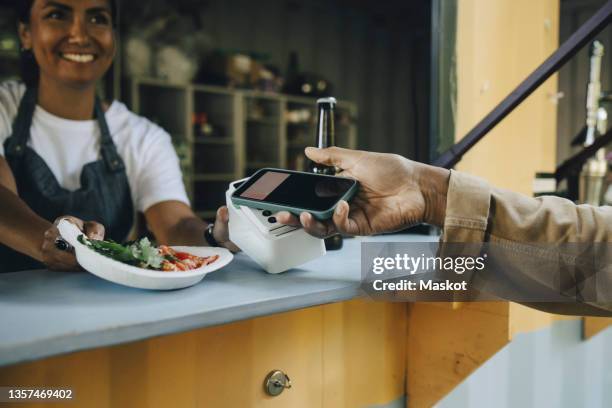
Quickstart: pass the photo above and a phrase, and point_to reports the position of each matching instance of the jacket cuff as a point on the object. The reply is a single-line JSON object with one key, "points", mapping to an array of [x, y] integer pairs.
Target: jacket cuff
{"points": [[468, 203]]}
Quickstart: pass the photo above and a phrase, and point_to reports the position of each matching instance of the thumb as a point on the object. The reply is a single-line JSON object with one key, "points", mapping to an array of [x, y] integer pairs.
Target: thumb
{"points": [[94, 230], [332, 156], [222, 214]]}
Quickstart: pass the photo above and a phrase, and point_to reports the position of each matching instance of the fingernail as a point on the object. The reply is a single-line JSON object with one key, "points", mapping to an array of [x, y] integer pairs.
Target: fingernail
{"points": [[339, 208]]}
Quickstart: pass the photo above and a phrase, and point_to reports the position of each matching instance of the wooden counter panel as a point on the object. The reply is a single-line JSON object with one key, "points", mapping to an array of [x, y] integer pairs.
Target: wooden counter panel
{"points": [[347, 354], [445, 346]]}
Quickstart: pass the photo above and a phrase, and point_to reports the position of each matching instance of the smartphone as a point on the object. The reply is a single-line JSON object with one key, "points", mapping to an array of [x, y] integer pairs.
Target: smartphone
{"points": [[294, 191]]}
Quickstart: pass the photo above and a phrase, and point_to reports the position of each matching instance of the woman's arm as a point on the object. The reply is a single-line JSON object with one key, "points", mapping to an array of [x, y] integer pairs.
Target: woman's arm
{"points": [[174, 223], [20, 228], [24, 231]]}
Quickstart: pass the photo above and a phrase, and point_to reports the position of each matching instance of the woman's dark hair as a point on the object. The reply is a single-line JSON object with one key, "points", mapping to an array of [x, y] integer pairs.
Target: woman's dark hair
{"points": [[28, 65]]}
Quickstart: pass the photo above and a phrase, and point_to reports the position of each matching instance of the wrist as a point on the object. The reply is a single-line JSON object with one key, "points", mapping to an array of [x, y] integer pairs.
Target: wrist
{"points": [[434, 187], [210, 237], [37, 252]]}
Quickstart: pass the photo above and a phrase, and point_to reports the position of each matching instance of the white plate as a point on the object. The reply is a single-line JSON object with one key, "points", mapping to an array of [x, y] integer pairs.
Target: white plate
{"points": [[128, 275]]}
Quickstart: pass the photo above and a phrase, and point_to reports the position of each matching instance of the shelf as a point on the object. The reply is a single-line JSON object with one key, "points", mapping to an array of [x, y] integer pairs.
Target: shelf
{"points": [[214, 177], [262, 121], [213, 89], [251, 132], [214, 140], [255, 94], [342, 126], [301, 124], [158, 82]]}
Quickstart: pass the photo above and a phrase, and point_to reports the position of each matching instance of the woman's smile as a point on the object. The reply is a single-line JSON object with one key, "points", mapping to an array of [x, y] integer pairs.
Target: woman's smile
{"points": [[77, 57]]}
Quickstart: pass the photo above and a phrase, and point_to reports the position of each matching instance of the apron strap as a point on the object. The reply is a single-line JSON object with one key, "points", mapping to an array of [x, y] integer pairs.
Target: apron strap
{"points": [[16, 144], [111, 158]]}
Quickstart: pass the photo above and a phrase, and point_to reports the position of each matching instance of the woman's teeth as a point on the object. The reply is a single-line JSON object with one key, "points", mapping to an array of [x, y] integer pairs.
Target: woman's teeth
{"points": [[78, 57]]}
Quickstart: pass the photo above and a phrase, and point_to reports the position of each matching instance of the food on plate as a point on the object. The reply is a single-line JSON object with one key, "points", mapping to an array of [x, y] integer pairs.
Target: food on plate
{"points": [[143, 254], [182, 261]]}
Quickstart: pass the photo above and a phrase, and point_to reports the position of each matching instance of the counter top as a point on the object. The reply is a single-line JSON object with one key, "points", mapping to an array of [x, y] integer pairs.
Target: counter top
{"points": [[45, 313]]}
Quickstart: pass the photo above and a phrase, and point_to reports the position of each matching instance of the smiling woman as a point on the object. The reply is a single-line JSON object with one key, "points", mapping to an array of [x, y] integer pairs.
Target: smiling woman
{"points": [[55, 15], [63, 153]]}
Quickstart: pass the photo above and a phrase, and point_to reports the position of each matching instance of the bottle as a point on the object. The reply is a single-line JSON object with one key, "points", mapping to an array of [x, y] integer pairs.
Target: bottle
{"points": [[325, 137], [325, 133], [291, 79], [594, 170]]}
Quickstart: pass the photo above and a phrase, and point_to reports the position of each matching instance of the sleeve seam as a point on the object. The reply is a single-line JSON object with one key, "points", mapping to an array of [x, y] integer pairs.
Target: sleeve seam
{"points": [[466, 223]]}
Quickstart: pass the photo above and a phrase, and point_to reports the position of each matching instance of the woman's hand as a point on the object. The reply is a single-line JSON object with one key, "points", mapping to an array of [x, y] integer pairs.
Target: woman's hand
{"points": [[63, 259], [394, 193], [221, 230]]}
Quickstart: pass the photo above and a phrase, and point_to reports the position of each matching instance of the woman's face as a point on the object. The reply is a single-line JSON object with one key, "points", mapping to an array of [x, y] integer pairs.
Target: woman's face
{"points": [[72, 40]]}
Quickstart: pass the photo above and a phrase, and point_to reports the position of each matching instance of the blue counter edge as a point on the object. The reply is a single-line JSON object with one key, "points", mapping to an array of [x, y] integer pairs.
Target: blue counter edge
{"points": [[110, 337]]}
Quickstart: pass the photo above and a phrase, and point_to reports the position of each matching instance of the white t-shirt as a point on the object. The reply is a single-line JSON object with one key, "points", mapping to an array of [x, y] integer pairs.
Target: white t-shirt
{"points": [[151, 163]]}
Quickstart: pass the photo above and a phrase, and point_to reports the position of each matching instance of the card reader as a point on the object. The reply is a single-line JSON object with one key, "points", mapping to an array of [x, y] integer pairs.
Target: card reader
{"points": [[274, 246]]}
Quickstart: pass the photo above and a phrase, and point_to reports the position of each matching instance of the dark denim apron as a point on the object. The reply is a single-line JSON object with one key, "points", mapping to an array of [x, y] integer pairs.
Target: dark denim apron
{"points": [[104, 195]]}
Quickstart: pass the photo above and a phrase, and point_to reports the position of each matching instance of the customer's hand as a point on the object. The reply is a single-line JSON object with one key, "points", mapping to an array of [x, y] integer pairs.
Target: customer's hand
{"points": [[59, 256], [221, 230], [394, 193]]}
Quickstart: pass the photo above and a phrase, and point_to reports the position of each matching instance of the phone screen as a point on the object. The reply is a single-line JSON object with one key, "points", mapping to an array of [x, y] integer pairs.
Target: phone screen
{"points": [[299, 190]]}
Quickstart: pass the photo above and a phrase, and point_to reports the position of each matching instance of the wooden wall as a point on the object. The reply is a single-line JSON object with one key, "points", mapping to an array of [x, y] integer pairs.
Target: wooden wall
{"points": [[500, 43]]}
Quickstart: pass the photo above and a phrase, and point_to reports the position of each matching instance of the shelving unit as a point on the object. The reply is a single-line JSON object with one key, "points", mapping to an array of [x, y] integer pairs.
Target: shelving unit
{"points": [[223, 134]]}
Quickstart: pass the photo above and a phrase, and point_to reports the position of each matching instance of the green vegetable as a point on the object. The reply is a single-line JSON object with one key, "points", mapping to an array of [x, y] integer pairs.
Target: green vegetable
{"points": [[147, 253], [140, 253]]}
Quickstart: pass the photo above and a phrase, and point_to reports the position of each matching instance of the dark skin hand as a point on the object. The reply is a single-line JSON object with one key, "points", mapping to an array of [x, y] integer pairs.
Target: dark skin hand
{"points": [[394, 193], [18, 224], [64, 260], [172, 223]]}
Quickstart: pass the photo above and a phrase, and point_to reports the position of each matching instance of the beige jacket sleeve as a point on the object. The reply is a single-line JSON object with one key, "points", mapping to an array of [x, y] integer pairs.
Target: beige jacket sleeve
{"points": [[477, 212]]}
